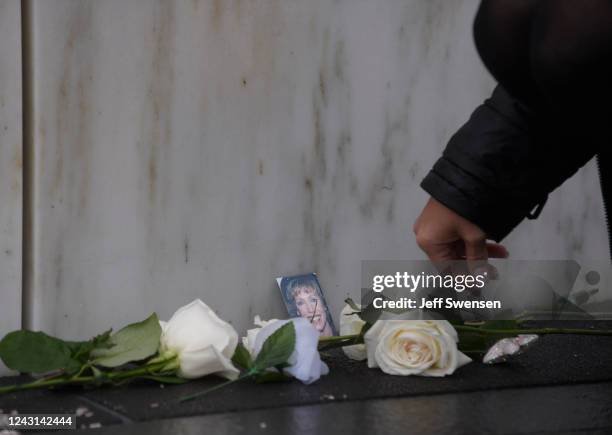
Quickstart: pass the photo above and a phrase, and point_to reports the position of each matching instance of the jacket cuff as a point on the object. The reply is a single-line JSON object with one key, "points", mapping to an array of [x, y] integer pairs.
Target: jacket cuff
{"points": [[467, 196]]}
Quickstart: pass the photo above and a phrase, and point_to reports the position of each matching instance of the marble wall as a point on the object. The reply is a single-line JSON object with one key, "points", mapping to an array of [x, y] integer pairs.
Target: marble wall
{"points": [[200, 148], [10, 168]]}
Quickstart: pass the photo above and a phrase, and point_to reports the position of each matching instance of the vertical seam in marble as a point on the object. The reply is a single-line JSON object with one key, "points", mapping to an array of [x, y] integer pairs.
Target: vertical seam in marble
{"points": [[27, 239]]}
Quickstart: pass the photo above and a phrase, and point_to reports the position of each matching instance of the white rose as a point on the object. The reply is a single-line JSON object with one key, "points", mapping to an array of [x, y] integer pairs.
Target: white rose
{"points": [[305, 362], [249, 341], [202, 341], [414, 347], [351, 324]]}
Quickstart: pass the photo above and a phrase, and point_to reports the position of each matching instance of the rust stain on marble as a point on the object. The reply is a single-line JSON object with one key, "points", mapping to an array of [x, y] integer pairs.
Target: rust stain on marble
{"points": [[18, 158], [17, 171], [83, 138], [62, 109], [385, 176], [319, 142], [157, 122], [72, 108], [268, 29], [216, 14], [219, 8], [308, 184]]}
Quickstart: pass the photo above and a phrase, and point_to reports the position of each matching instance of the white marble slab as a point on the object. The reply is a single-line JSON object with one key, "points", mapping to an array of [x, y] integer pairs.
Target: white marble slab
{"points": [[201, 148], [572, 224], [11, 162]]}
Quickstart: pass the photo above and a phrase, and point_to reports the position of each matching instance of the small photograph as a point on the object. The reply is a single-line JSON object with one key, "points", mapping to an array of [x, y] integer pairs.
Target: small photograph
{"points": [[304, 298]]}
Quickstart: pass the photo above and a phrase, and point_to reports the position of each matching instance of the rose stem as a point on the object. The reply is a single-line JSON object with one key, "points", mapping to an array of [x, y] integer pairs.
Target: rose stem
{"points": [[126, 374], [541, 331], [216, 387]]}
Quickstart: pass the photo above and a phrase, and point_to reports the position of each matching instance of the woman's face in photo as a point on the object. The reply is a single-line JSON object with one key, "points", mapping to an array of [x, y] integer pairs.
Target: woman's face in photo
{"points": [[310, 306]]}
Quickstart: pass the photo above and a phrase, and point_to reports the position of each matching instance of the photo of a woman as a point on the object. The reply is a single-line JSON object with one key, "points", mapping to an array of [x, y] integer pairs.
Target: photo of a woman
{"points": [[304, 298]]}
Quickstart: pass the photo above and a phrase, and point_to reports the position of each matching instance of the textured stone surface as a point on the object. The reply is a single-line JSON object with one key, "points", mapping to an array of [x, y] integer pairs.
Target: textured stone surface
{"points": [[585, 409], [193, 148], [11, 163], [554, 361]]}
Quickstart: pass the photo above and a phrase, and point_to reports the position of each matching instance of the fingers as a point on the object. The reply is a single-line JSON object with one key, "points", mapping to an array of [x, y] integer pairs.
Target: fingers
{"points": [[496, 250], [444, 235], [476, 253], [439, 251], [476, 248]]}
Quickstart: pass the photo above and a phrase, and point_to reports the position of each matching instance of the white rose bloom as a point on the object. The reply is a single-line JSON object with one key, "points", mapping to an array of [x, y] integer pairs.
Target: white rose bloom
{"points": [[203, 342], [249, 341], [351, 324], [305, 362], [414, 347]]}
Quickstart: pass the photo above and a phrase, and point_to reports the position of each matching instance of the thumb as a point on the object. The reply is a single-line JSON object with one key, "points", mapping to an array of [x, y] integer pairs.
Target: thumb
{"points": [[476, 252]]}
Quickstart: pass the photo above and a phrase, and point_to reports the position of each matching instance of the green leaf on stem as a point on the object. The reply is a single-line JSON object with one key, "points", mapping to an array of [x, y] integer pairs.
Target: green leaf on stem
{"points": [[81, 350], [242, 357], [36, 352], [277, 348], [135, 342]]}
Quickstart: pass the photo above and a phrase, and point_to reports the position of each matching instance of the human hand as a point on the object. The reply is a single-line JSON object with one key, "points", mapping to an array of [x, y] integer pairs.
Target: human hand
{"points": [[444, 235]]}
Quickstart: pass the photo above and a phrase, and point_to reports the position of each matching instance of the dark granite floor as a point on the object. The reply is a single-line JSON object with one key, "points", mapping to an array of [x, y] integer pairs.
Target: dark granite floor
{"points": [[564, 383]]}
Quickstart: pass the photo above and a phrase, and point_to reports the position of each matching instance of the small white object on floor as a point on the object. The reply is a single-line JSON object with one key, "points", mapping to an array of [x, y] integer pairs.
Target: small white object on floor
{"points": [[81, 411], [506, 347]]}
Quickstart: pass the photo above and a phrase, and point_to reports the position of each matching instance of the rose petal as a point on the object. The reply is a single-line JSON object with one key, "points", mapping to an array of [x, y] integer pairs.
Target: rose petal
{"points": [[202, 362], [414, 347], [305, 362], [196, 326], [352, 324]]}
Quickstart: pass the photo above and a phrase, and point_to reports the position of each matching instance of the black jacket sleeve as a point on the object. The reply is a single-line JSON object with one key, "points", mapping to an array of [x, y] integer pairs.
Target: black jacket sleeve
{"points": [[501, 165]]}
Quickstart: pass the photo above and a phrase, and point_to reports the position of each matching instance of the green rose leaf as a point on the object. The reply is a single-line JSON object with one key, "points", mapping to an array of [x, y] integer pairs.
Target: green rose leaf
{"points": [[277, 348], [242, 357], [36, 352], [81, 349], [135, 342]]}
